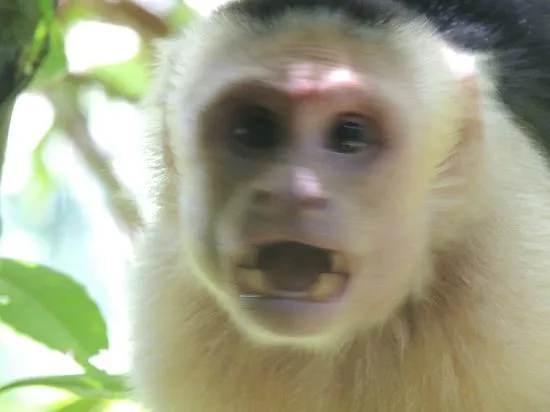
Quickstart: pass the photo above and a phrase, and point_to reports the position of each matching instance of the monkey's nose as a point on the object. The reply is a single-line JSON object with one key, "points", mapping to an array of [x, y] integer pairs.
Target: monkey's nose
{"points": [[298, 191]]}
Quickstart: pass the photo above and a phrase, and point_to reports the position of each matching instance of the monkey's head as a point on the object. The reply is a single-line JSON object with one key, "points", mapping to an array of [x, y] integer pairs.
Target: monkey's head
{"points": [[314, 163]]}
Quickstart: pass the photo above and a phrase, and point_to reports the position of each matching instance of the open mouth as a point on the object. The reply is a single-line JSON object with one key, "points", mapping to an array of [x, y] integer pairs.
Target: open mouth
{"points": [[291, 270]]}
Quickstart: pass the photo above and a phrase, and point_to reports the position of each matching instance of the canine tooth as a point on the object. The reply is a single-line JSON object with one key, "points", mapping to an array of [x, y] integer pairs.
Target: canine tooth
{"points": [[250, 258], [253, 280], [327, 286], [338, 263]]}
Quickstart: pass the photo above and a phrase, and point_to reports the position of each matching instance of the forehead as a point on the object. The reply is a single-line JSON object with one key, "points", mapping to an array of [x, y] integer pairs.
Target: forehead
{"points": [[318, 45], [317, 38]]}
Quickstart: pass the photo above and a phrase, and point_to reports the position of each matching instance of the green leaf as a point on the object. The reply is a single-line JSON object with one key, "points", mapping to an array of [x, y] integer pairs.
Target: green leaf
{"points": [[40, 190], [36, 52], [55, 65], [75, 11], [180, 16], [52, 309], [99, 386], [24, 34], [84, 405], [129, 79], [47, 7]]}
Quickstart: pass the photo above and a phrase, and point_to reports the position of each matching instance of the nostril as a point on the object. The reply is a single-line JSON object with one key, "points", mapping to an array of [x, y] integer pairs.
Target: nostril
{"points": [[313, 201], [263, 198], [268, 202], [300, 192]]}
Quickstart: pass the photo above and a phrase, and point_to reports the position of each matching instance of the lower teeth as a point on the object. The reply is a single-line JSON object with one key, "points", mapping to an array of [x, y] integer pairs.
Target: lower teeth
{"points": [[254, 283], [328, 285]]}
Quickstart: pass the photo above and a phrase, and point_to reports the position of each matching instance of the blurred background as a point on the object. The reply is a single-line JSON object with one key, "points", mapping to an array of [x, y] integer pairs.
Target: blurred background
{"points": [[69, 174]]}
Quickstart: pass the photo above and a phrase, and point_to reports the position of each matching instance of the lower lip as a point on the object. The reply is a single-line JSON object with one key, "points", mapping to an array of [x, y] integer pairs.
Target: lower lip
{"points": [[285, 304], [287, 298], [289, 317]]}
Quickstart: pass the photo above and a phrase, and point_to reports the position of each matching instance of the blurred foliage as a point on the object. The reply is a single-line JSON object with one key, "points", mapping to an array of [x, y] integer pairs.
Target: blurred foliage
{"points": [[52, 309], [24, 39], [56, 311], [37, 301]]}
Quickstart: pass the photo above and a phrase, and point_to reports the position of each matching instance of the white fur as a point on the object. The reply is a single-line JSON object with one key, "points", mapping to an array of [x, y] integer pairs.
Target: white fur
{"points": [[472, 336]]}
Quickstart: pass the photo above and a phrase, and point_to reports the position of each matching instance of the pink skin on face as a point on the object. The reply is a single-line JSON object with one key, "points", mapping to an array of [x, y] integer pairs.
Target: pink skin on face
{"points": [[304, 80]]}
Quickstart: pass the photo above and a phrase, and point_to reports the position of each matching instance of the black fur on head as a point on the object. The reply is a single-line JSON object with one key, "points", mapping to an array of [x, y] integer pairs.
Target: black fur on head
{"points": [[361, 11]]}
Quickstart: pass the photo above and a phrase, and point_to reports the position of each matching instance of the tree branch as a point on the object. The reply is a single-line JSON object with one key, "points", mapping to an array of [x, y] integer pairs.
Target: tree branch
{"points": [[128, 13], [74, 123]]}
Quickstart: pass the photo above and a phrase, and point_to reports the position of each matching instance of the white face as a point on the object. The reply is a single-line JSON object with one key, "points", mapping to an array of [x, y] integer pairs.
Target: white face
{"points": [[316, 157]]}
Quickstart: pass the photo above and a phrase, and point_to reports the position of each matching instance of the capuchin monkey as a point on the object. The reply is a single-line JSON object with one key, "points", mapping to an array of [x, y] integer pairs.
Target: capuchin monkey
{"points": [[350, 210]]}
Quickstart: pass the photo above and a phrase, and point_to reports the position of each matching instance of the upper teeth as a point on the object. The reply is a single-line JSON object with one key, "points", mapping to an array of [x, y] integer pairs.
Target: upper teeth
{"points": [[250, 258], [338, 263]]}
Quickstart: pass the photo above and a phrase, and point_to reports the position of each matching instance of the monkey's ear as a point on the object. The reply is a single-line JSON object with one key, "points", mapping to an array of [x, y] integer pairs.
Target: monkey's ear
{"points": [[466, 69], [152, 150], [462, 64]]}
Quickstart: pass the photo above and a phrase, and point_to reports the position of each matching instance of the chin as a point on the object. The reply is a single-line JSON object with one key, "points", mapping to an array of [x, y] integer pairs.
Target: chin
{"points": [[290, 321], [296, 325]]}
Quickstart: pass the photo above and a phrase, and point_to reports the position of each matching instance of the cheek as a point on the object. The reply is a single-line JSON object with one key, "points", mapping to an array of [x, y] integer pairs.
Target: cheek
{"points": [[214, 230], [389, 269], [388, 237], [197, 216]]}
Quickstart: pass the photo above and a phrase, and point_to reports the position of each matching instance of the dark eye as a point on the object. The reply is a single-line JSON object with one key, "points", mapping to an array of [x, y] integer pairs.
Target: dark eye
{"points": [[256, 128], [352, 134]]}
